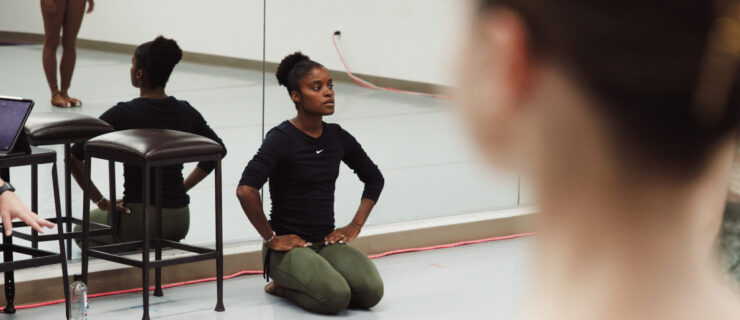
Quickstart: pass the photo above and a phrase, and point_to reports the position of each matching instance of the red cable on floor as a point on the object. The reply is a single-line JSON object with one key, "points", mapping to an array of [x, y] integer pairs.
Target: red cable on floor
{"points": [[452, 245], [246, 272], [369, 85]]}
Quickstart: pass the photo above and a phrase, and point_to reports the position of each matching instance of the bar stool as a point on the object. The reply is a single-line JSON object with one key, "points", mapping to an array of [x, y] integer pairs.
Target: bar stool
{"points": [[38, 258], [52, 128], [151, 149]]}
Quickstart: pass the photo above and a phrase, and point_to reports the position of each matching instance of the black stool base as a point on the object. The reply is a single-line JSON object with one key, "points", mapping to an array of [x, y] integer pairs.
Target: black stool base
{"points": [[110, 253], [39, 258]]}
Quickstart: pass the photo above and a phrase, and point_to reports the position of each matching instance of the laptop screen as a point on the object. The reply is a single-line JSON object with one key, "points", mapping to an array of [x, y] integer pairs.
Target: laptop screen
{"points": [[12, 117]]}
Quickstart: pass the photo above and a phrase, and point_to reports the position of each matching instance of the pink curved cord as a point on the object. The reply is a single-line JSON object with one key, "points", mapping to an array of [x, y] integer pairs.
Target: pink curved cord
{"points": [[369, 85], [246, 272]]}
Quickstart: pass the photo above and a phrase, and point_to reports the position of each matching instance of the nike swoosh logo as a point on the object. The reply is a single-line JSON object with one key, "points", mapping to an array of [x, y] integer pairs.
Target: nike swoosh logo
{"points": [[319, 151]]}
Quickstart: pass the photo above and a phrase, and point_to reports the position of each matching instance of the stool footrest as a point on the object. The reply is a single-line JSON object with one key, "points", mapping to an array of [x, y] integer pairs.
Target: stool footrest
{"points": [[114, 258], [127, 247], [40, 258], [27, 251], [185, 247], [30, 263], [109, 252], [96, 229], [182, 260]]}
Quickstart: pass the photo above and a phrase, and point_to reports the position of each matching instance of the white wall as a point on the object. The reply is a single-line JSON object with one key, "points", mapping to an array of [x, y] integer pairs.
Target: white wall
{"points": [[402, 39]]}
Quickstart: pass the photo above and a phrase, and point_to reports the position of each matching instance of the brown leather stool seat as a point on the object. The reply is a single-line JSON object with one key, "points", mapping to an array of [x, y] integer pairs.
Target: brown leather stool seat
{"points": [[150, 145], [63, 127], [51, 128], [152, 149]]}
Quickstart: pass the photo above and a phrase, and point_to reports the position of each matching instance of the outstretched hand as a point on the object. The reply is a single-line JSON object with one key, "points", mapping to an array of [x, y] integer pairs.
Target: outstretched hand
{"points": [[342, 235], [11, 208]]}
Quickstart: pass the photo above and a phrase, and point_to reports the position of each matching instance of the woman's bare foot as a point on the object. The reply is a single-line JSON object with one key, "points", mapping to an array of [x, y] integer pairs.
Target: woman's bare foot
{"points": [[274, 289], [72, 101], [58, 100]]}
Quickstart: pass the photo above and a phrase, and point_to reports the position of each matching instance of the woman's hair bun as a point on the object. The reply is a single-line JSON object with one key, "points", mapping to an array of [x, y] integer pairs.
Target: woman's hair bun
{"points": [[287, 64]]}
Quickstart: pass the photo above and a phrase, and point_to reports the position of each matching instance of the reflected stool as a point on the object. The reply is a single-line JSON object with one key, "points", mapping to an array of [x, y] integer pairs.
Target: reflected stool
{"points": [[38, 258], [52, 128], [151, 149]]}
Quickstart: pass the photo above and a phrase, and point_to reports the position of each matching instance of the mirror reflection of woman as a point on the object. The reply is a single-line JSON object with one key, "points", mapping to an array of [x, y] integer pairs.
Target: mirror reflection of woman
{"points": [[152, 65], [624, 116], [62, 21], [305, 254]]}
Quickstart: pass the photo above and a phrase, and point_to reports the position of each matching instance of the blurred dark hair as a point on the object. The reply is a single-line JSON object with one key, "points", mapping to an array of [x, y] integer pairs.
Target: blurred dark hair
{"points": [[158, 58], [293, 68], [643, 61]]}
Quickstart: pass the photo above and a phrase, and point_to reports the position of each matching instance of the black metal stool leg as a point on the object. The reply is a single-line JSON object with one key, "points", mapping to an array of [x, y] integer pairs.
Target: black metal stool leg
{"points": [[34, 202], [86, 218], [145, 249], [10, 275], [60, 233], [158, 228], [7, 257], [113, 215], [68, 197], [219, 243]]}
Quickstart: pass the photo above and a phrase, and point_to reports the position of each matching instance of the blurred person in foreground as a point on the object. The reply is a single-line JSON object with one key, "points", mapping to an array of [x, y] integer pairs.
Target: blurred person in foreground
{"points": [[623, 114]]}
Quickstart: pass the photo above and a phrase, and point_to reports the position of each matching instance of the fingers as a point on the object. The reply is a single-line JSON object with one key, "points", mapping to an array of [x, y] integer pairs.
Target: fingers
{"points": [[335, 237], [123, 209], [299, 242], [7, 223], [43, 222], [31, 221]]}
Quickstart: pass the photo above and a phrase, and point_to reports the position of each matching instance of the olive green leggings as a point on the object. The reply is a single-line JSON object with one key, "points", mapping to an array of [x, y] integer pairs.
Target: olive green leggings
{"points": [[175, 224], [326, 279]]}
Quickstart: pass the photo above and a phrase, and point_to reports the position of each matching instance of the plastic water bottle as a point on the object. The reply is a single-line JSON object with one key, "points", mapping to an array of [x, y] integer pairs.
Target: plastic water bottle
{"points": [[78, 295]]}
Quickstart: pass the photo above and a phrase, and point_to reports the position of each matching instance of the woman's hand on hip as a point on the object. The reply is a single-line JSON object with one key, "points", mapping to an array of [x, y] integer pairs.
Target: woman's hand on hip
{"points": [[342, 235], [287, 242], [104, 204]]}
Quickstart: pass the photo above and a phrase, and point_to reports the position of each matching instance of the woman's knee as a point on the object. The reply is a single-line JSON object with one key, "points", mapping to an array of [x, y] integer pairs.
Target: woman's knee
{"points": [[367, 292], [69, 42], [333, 297], [51, 41], [328, 290], [360, 273]]}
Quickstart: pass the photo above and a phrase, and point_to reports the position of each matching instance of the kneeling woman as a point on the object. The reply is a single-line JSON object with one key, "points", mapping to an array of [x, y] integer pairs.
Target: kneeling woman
{"points": [[305, 255]]}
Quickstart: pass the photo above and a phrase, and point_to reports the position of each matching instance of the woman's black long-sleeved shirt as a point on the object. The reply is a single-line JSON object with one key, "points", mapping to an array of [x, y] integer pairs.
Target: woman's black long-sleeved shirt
{"points": [[169, 113], [303, 171]]}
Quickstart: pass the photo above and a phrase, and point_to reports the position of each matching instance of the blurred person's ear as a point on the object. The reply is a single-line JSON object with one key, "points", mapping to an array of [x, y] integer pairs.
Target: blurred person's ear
{"points": [[505, 36], [496, 81]]}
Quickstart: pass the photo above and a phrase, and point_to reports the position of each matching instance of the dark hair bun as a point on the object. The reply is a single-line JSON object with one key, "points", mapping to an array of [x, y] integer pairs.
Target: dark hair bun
{"points": [[165, 51], [287, 64], [158, 58]]}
